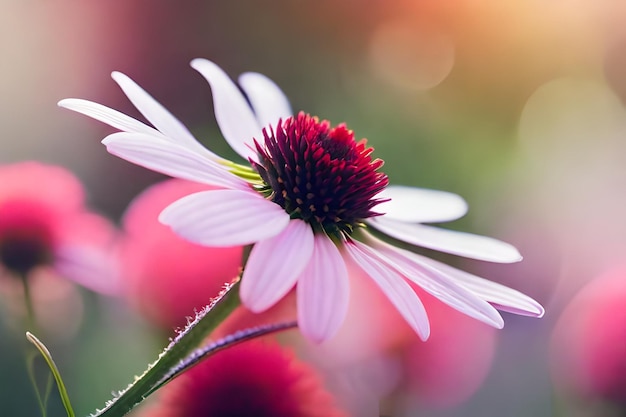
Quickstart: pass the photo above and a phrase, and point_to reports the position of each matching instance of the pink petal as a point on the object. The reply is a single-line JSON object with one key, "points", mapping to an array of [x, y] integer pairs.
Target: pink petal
{"points": [[90, 267], [393, 286], [268, 101], [449, 241], [225, 218], [232, 112], [107, 115], [275, 265], [323, 292], [502, 297], [169, 158], [420, 205], [442, 286], [158, 115]]}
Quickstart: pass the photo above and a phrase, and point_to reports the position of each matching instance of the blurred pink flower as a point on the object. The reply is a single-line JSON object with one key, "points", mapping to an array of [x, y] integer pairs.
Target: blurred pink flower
{"points": [[588, 349], [306, 201], [44, 224], [442, 373], [256, 378], [166, 276], [454, 363]]}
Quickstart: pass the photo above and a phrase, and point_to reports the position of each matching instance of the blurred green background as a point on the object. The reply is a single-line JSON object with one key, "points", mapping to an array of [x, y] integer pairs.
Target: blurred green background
{"points": [[517, 106]]}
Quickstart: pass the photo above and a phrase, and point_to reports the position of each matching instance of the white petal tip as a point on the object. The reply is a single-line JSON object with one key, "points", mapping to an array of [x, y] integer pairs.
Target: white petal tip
{"points": [[534, 310], [196, 62], [315, 337]]}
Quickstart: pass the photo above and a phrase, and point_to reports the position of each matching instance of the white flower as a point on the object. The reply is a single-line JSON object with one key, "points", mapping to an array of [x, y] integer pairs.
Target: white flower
{"points": [[308, 199]]}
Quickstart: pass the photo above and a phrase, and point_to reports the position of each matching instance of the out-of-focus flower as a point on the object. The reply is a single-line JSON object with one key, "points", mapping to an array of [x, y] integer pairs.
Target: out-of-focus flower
{"points": [[453, 364], [306, 201], [166, 276], [588, 349], [44, 224], [379, 357], [256, 378]]}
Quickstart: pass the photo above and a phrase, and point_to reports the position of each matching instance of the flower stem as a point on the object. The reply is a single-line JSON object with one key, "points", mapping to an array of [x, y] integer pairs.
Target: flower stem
{"points": [[186, 341], [31, 318]]}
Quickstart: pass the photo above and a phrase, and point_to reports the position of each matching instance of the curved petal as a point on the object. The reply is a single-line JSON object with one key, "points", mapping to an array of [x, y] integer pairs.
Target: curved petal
{"points": [[275, 265], [158, 115], [225, 218], [323, 291], [501, 296], [420, 205], [166, 157], [232, 112], [441, 286], [268, 101], [107, 115], [393, 286], [449, 241]]}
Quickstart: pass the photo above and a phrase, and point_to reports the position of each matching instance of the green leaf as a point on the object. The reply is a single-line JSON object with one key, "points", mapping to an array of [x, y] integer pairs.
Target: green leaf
{"points": [[184, 343]]}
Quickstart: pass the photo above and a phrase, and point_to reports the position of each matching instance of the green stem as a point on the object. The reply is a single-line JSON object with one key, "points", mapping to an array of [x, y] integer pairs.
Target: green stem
{"points": [[31, 319], [186, 341]]}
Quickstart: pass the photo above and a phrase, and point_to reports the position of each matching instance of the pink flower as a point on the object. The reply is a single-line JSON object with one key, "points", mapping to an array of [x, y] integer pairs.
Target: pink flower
{"points": [[45, 224], [256, 378], [588, 349], [166, 276], [310, 196], [454, 363]]}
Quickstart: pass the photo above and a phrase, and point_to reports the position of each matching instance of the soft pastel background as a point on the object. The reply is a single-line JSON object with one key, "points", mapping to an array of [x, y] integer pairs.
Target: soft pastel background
{"points": [[518, 106]]}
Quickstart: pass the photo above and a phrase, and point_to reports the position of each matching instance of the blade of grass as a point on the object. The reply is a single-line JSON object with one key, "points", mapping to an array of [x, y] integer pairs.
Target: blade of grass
{"points": [[65, 399], [41, 400]]}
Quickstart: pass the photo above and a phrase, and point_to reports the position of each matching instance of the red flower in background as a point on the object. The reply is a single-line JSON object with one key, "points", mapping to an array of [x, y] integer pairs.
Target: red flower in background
{"points": [[44, 224], [166, 276], [588, 348], [256, 378]]}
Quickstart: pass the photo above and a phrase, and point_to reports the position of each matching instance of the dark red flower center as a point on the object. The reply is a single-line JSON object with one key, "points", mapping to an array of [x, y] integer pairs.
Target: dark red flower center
{"points": [[26, 237], [319, 174]]}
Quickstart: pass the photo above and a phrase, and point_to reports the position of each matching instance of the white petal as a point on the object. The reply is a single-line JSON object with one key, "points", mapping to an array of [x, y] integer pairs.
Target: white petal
{"points": [[268, 101], [225, 218], [393, 286], [501, 296], [169, 158], [232, 111], [158, 115], [275, 265], [449, 241], [442, 286], [107, 115], [323, 292], [420, 205]]}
